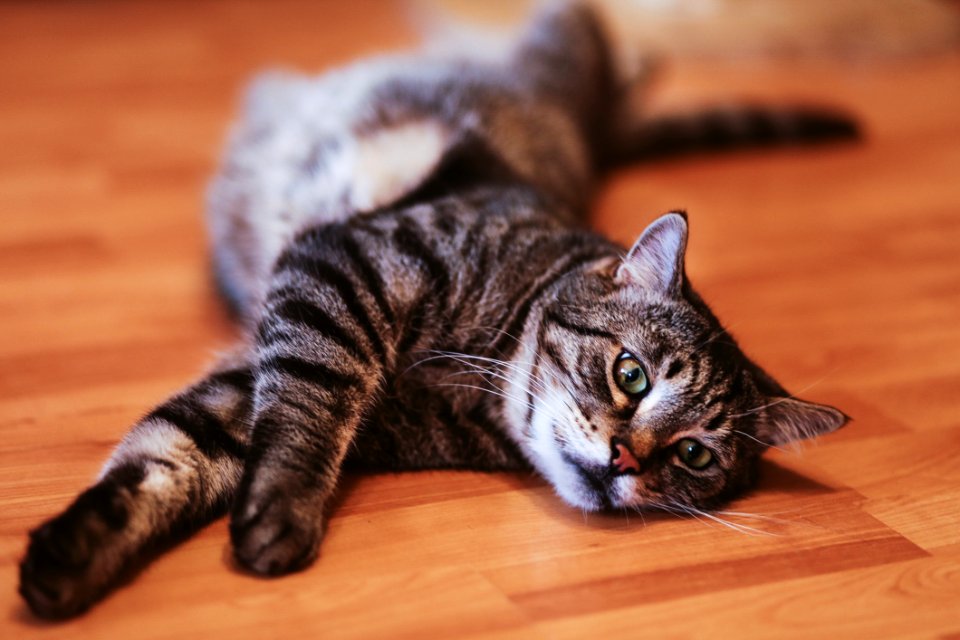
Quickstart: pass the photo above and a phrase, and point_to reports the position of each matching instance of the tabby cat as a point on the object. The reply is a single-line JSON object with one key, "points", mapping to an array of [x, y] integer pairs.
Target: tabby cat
{"points": [[402, 240]]}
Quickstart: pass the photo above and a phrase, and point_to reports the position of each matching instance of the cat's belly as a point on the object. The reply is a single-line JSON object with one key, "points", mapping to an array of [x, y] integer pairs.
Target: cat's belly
{"points": [[308, 152]]}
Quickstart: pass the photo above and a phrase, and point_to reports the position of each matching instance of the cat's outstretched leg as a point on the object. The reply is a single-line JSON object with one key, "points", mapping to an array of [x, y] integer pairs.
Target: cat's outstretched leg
{"points": [[324, 345], [176, 470]]}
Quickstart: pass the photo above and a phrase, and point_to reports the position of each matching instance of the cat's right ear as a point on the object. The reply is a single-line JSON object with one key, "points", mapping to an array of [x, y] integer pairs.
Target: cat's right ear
{"points": [[655, 261], [786, 420]]}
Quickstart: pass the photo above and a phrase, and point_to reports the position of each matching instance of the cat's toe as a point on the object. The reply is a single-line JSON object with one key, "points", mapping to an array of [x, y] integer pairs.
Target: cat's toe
{"points": [[273, 539]]}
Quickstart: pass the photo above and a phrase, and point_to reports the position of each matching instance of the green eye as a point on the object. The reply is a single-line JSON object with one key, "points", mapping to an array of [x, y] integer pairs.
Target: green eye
{"points": [[629, 375], [694, 454]]}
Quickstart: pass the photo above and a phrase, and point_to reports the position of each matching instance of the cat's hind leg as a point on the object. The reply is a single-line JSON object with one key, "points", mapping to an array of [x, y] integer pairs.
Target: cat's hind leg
{"points": [[176, 470]]}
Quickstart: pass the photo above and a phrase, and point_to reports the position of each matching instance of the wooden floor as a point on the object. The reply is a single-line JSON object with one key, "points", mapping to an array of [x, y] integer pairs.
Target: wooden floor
{"points": [[838, 268]]}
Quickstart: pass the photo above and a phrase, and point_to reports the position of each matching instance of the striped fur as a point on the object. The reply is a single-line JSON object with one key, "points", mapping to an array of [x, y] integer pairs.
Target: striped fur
{"points": [[402, 243]]}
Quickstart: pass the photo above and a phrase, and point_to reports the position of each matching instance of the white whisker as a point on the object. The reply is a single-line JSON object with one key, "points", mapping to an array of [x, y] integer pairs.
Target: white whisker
{"points": [[755, 516], [759, 441], [464, 358], [741, 528], [487, 371], [485, 390], [677, 508], [785, 399]]}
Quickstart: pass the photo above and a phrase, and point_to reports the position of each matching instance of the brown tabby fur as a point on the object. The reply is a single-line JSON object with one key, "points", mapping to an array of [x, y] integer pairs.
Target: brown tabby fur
{"points": [[403, 242]]}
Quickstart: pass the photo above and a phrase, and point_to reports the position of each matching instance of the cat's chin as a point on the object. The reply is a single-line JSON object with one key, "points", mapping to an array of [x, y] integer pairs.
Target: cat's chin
{"points": [[590, 491], [581, 497]]}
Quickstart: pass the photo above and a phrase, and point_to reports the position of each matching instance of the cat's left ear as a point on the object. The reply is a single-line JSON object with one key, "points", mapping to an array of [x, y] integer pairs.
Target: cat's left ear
{"points": [[787, 420], [655, 261]]}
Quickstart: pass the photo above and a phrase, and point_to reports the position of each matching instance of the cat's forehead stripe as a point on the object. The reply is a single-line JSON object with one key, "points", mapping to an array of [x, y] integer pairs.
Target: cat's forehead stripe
{"points": [[675, 367]]}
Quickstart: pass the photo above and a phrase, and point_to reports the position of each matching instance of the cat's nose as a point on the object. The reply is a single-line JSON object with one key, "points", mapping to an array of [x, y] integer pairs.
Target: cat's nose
{"points": [[622, 460]]}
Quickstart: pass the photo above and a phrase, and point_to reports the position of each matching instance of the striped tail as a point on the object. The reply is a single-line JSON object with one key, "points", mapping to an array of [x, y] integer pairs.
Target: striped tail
{"points": [[176, 470], [727, 128]]}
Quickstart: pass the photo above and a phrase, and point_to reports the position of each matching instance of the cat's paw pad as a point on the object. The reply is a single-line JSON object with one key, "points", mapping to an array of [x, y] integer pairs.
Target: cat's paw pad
{"points": [[272, 537], [54, 574]]}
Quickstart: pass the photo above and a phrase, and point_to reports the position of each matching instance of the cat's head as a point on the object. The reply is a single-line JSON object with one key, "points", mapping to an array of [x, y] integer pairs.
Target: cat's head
{"points": [[643, 399]]}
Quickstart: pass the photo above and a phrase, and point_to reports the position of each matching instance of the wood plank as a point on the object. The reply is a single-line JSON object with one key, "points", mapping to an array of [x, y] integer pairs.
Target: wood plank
{"points": [[915, 599]]}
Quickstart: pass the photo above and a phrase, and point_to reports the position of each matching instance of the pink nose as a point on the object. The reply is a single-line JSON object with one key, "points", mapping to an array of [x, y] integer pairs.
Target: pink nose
{"points": [[622, 459]]}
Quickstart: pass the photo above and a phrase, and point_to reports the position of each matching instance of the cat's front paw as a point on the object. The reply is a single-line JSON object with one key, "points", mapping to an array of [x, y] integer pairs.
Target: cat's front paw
{"points": [[74, 558], [55, 574], [272, 535]]}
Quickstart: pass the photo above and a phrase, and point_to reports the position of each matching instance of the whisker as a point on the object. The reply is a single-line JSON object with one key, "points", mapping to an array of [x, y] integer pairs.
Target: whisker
{"points": [[694, 514], [784, 399], [559, 377], [549, 410], [639, 510], [464, 357], [486, 371], [500, 331], [756, 516], [677, 508], [759, 441], [475, 370], [741, 528], [715, 335], [680, 515], [484, 389]]}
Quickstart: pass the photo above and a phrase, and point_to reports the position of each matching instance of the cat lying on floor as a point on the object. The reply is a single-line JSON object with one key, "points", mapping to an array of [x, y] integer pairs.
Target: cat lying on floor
{"points": [[402, 240]]}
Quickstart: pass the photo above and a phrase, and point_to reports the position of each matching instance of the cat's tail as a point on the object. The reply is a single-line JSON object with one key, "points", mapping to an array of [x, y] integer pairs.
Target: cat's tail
{"points": [[176, 470], [723, 128], [579, 53]]}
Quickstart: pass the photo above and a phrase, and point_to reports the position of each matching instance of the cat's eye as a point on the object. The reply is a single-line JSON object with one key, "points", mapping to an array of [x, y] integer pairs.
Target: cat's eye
{"points": [[629, 375], [693, 454]]}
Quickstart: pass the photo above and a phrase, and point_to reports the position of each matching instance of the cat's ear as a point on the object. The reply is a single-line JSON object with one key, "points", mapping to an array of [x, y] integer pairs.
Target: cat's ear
{"points": [[789, 419], [655, 261]]}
